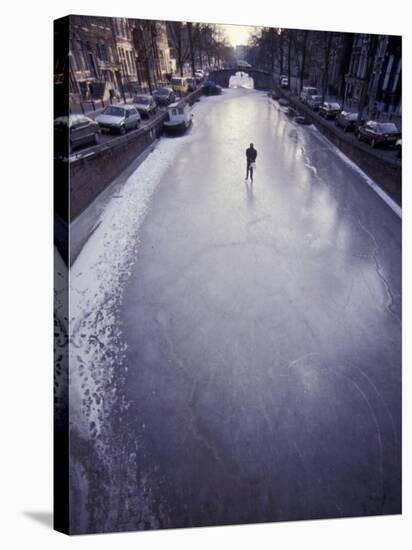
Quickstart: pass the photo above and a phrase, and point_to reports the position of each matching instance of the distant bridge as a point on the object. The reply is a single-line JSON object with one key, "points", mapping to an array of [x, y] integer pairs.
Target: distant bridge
{"points": [[263, 80]]}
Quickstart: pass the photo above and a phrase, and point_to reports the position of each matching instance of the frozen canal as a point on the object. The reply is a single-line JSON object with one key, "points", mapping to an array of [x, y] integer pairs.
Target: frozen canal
{"points": [[237, 346]]}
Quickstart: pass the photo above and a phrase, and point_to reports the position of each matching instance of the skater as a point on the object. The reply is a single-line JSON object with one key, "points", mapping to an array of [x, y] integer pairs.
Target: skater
{"points": [[251, 155]]}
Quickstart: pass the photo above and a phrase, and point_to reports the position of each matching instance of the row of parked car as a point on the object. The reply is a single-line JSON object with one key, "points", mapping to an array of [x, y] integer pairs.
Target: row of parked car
{"points": [[122, 117], [377, 134]]}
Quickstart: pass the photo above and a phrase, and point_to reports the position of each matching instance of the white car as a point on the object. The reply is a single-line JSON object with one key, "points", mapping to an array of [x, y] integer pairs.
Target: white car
{"points": [[284, 83], [119, 118], [307, 92]]}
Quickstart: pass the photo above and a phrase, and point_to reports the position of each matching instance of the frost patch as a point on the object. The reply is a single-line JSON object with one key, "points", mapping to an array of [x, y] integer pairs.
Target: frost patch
{"points": [[97, 282]]}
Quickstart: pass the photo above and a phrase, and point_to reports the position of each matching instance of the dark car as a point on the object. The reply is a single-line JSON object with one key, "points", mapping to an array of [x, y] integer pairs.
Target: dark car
{"points": [[75, 131], [192, 83], [145, 104], [379, 133], [314, 102], [303, 119], [398, 147], [291, 112], [284, 102], [348, 121], [164, 96], [211, 88], [329, 110]]}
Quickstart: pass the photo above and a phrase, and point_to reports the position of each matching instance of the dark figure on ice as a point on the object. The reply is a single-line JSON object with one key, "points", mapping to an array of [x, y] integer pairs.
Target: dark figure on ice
{"points": [[251, 155]]}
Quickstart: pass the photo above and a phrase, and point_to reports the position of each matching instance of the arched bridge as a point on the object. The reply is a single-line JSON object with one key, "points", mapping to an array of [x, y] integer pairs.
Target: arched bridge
{"points": [[263, 80]]}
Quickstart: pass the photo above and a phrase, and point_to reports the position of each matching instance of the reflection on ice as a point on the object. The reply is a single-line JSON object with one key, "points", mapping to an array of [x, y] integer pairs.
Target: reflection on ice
{"points": [[241, 80]]}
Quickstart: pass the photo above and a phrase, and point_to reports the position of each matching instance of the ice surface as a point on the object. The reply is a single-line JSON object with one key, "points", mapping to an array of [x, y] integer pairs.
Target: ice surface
{"points": [[246, 336], [97, 280]]}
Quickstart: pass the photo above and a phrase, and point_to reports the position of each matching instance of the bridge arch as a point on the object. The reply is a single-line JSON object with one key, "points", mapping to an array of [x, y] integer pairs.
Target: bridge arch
{"points": [[263, 80]]}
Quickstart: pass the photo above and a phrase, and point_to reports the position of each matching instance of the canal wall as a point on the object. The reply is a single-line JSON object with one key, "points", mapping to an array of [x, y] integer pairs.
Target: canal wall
{"points": [[90, 175], [387, 173]]}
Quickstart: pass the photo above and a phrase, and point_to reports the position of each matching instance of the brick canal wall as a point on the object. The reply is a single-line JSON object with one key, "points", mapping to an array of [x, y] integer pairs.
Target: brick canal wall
{"points": [[90, 175], [387, 173]]}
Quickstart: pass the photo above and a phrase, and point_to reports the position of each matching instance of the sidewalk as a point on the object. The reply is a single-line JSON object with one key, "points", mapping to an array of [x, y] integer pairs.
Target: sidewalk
{"points": [[352, 106], [384, 153], [93, 108]]}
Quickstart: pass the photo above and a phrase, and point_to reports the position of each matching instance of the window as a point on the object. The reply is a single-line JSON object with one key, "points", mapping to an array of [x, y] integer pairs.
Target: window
{"points": [[130, 59], [74, 56], [82, 62]]}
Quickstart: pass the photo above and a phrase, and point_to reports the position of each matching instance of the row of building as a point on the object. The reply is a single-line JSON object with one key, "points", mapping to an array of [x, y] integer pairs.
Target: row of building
{"points": [[354, 63], [385, 85], [351, 62], [116, 56]]}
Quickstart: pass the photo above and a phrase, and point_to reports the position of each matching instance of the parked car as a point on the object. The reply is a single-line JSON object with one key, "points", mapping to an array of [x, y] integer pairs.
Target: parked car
{"points": [[379, 133], [75, 131], [145, 104], [284, 102], [199, 75], [119, 118], [211, 88], [314, 102], [192, 83], [307, 92], [291, 112], [329, 110], [398, 147], [346, 120], [179, 85], [303, 119], [284, 83], [164, 96]]}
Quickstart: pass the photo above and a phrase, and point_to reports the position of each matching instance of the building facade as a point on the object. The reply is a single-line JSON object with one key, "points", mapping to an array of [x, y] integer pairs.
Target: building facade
{"points": [[116, 57], [94, 63], [384, 83]]}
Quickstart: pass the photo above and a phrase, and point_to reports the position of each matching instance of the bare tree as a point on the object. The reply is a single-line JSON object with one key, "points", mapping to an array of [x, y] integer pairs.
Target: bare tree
{"points": [[176, 32], [344, 62], [281, 36], [191, 48], [325, 76], [372, 46], [143, 33], [303, 59], [199, 43]]}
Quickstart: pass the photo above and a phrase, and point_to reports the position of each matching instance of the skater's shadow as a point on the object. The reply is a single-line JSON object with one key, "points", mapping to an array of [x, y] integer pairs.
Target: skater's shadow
{"points": [[250, 197]]}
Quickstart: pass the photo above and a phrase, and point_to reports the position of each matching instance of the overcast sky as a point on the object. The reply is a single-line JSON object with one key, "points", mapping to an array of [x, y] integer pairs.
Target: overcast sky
{"points": [[238, 34]]}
